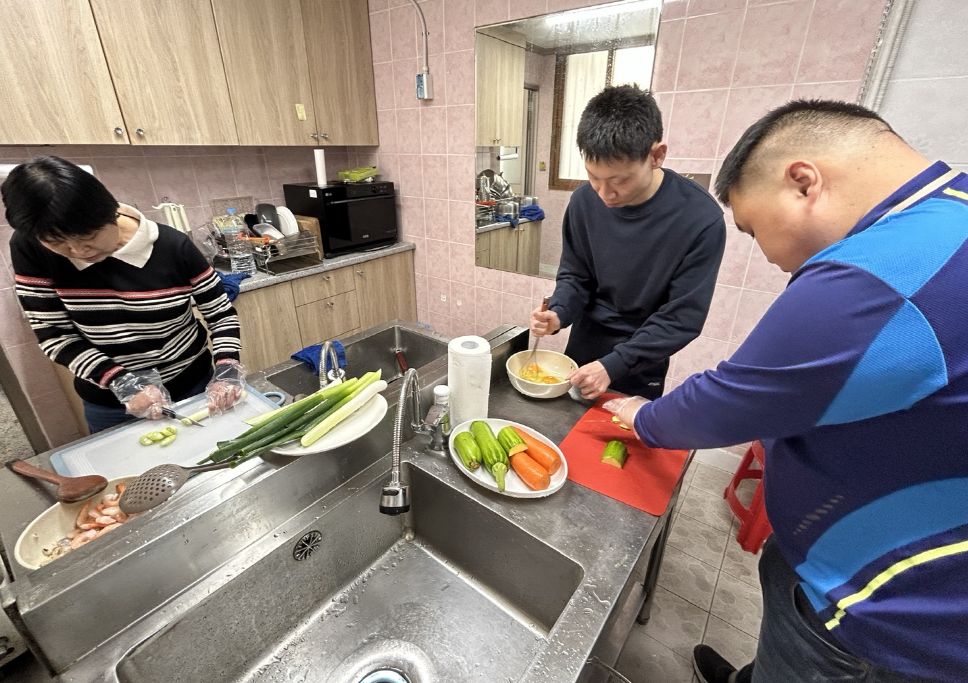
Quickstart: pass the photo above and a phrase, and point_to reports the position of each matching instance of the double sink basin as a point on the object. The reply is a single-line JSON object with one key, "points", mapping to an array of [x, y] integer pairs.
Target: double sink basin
{"points": [[292, 573]]}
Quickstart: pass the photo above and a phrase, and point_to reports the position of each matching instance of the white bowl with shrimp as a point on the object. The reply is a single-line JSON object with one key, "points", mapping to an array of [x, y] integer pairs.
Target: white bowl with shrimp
{"points": [[54, 524], [551, 362]]}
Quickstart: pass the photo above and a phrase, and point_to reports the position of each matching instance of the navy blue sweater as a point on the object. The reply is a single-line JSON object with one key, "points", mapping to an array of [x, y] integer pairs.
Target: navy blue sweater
{"points": [[647, 271]]}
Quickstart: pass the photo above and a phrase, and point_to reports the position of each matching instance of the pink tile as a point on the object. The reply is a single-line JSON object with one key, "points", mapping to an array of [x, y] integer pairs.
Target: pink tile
{"points": [[462, 222], [14, 328], [433, 11], [412, 217], [709, 47], [517, 284], [528, 8], [697, 7], [752, 306], [423, 315], [419, 255], [383, 84], [670, 386], [846, 91], [722, 313], [460, 77], [674, 9], [438, 219], [562, 5], [488, 278], [700, 355], [840, 39], [174, 177], [458, 25], [251, 177], [408, 131], [462, 263], [460, 170], [667, 55], [460, 129], [696, 124], [438, 257], [433, 130], [376, 5], [490, 12], [439, 295], [404, 88], [411, 175], [441, 324], [386, 121], [435, 176], [745, 107], [736, 260], [771, 43], [690, 166], [487, 309], [380, 37], [666, 102], [763, 275], [388, 166], [129, 181], [423, 291], [462, 301], [460, 328], [33, 369], [403, 32], [516, 310]]}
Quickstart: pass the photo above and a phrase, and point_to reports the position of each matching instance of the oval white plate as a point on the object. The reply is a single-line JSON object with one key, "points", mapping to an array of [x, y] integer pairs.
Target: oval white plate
{"points": [[287, 221], [350, 429], [513, 486]]}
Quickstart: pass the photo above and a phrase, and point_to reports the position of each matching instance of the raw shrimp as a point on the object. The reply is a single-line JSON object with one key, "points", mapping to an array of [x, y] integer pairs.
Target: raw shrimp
{"points": [[86, 537], [91, 523]]}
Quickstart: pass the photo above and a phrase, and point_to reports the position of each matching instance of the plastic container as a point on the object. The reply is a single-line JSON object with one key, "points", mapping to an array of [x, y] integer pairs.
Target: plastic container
{"points": [[241, 258]]}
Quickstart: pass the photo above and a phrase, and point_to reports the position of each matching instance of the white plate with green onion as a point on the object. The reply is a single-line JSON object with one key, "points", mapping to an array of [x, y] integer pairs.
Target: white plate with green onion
{"points": [[352, 428]]}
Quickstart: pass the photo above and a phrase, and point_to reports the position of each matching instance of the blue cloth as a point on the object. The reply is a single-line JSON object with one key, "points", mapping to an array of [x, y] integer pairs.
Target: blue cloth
{"points": [[856, 381], [230, 283], [504, 218], [532, 213], [310, 356]]}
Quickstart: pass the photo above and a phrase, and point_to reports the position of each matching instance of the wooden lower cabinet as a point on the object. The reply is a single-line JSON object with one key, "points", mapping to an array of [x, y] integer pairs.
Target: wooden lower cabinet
{"points": [[270, 330], [387, 289], [328, 318]]}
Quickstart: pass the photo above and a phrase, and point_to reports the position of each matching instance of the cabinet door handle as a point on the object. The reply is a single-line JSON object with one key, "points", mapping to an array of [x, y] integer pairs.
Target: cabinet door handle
{"points": [[314, 136], [325, 136], [140, 132], [119, 130], [359, 272], [326, 278], [330, 303]]}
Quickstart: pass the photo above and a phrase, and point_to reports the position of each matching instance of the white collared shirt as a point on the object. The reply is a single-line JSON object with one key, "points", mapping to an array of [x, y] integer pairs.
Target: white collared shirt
{"points": [[137, 250]]}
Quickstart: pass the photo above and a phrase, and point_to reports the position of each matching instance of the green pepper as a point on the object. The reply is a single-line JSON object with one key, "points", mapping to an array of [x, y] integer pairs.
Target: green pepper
{"points": [[145, 440], [167, 440], [170, 430], [157, 435]]}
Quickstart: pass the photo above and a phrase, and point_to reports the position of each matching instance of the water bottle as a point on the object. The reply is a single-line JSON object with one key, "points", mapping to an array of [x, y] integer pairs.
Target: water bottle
{"points": [[241, 257]]}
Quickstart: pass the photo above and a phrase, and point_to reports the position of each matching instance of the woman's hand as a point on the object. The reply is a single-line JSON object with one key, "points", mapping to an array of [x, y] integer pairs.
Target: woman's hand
{"points": [[592, 379], [225, 389], [148, 403], [141, 393]]}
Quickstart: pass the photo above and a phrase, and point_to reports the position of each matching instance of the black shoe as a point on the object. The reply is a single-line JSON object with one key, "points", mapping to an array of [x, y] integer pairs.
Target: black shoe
{"points": [[710, 665]]}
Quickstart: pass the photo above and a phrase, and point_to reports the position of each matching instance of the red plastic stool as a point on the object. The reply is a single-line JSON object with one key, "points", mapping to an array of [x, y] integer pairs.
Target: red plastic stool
{"points": [[754, 526]]}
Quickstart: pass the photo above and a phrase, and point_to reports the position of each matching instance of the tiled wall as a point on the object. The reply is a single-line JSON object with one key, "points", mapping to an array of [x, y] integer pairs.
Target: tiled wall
{"points": [[932, 67], [720, 64], [143, 177]]}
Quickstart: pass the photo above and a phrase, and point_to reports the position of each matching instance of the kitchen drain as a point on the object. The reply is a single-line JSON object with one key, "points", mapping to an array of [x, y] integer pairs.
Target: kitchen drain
{"points": [[307, 545], [385, 676]]}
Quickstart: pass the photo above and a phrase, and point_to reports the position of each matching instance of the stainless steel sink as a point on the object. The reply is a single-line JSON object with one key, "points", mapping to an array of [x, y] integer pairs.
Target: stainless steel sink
{"points": [[451, 591], [370, 350]]}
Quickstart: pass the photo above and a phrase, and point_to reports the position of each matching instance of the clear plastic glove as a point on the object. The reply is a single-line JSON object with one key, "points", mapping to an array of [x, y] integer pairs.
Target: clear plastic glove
{"points": [[625, 409], [142, 393], [225, 388]]}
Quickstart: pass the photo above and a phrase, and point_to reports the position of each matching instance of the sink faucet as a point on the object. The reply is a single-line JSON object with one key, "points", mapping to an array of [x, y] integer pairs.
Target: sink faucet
{"points": [[328, 350], [395, 497]]}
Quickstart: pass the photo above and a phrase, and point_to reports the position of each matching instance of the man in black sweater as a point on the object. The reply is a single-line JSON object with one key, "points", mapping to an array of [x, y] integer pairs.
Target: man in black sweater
{"points": [[641, 249]]}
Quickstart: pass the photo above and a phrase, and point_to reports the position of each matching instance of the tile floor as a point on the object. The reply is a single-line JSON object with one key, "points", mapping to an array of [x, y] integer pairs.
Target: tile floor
{"points": [[13, 441], [708, 588]]}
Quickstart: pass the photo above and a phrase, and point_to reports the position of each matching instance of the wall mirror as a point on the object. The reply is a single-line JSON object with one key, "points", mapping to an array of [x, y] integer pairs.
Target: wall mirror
{"points": [[534, 78]]}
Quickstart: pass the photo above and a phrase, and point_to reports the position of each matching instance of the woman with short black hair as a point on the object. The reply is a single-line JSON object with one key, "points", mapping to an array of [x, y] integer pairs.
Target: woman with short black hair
{"points": [[109, 295]]}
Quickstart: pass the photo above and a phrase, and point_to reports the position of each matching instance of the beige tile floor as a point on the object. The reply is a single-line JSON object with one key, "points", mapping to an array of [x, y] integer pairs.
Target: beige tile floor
{"points": [[13, 441], [708, 588]]}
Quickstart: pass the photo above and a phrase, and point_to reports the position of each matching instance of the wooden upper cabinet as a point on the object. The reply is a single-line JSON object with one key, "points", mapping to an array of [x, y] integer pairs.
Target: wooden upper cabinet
{"points": [[341, 69], [54, 83], [167, 69], [267, 70]]}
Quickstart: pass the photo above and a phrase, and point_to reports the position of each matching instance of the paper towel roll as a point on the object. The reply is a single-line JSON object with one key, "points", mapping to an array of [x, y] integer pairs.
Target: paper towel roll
{"points": [[469, 377]]}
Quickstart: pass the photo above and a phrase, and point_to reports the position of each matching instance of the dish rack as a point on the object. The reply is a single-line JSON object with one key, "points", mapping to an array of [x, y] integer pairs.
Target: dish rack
{"points": [[280, 256]]}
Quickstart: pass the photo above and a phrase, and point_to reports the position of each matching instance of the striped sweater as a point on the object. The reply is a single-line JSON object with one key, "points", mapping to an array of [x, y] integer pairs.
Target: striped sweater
{"points": [[100, 320]]}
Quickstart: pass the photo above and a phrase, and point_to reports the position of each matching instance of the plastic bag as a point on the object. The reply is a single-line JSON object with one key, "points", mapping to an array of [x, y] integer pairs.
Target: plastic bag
{"points": [[226, 386], [142, 393]]}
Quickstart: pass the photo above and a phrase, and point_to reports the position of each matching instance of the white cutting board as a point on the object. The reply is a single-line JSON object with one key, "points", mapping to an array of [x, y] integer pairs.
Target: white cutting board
{"points": [[117, 453]]}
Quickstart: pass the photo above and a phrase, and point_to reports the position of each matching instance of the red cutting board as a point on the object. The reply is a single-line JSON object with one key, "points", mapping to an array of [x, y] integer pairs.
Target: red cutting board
{"points": [[649, 475]]}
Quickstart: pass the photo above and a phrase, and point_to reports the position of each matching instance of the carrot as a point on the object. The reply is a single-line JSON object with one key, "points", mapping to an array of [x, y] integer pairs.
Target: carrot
{"points": [[531, 473], [540, 452]]}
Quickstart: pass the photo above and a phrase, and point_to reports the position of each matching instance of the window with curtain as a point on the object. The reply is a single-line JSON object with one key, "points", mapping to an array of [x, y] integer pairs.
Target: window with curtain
{"points": [[578, 78]]}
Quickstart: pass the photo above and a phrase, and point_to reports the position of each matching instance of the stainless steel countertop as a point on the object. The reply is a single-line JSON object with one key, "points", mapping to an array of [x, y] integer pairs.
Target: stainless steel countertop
{"points": [[606, 537], [260, 280], [502, 224]]}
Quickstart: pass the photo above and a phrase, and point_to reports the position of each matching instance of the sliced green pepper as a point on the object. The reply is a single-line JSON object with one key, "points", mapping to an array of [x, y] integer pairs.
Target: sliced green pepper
{"points": [[167, 440]]}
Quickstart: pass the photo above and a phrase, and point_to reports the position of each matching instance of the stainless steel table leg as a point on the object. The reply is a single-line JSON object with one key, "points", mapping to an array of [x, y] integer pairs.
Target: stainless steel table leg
{"points": [[658, 550]]}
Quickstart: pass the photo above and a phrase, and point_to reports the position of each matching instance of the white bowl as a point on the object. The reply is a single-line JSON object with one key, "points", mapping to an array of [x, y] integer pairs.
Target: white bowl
{"points": [[551, 361], [52, 525]]}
